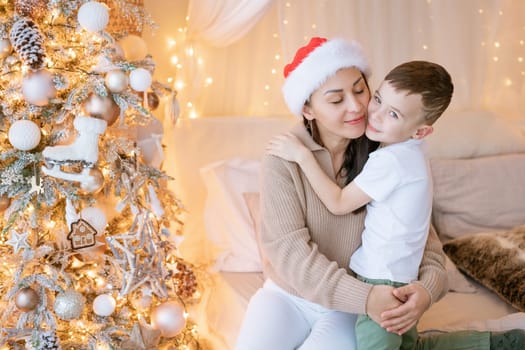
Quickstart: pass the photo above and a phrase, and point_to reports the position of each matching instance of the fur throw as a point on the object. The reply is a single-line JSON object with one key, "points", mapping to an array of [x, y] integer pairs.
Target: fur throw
{"points": [[496, 260]]}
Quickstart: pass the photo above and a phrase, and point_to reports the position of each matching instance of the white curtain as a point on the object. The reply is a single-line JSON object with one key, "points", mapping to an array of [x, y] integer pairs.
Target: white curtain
{"points": [[480, 42], [222, 22]]}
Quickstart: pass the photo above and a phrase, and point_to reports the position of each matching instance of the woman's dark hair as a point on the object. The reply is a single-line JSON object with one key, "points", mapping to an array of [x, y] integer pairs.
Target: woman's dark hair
{"points": [[356, 153]]}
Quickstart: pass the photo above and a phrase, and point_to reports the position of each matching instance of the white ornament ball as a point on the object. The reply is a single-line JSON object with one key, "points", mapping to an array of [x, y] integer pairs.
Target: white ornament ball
{"points": [[24, 135], [95, 217], [140, 79], [5, 48], [96, 182], [104, 305], [69, 305], [168, 318], [134, 47], [93, 16], [116, 81], [38, 88]]}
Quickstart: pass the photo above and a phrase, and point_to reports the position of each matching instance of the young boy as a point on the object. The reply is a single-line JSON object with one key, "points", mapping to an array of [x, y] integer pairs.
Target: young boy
{"points": [[395, 184]]}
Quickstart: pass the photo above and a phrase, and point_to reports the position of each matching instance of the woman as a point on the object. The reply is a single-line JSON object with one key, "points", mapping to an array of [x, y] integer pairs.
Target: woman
{"points": [[311, 298]]}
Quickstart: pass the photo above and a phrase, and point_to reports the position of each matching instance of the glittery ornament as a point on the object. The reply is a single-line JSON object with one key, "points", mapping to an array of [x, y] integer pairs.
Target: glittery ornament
{"points": [[102, 107], [116, 81], [93, 16], [69, 305], [33, 9], [168, 318], [185, 281], [26, 299], [24, 135], [5, 201]]}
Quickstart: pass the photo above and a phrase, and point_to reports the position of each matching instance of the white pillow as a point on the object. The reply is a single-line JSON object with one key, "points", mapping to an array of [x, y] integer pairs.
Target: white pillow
{"points": [[472, 134], [226, 216]]}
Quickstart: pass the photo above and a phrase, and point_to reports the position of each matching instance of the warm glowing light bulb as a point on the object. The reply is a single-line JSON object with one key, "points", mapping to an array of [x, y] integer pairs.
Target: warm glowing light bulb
{"points": [[179, 85], [174, 59], [497, 44], [208, 81], [171, 42]]}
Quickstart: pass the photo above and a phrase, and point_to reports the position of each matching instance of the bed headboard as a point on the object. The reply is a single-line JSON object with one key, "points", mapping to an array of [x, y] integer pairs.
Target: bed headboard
{"points": [[194, 143]]}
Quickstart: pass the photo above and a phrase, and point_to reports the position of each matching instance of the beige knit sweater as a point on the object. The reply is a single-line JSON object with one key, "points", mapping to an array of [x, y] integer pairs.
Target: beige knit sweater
{"points": [[308, 249]]}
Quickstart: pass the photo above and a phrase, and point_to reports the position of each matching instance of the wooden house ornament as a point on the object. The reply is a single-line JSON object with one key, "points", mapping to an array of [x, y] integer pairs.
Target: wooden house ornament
{"points": [[82, 235]]}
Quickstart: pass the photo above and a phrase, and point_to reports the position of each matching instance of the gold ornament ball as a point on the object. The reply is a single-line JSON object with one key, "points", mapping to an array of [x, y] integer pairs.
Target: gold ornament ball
{"points": [[168, 318], [26, 299], [102, 107], [5, 201], [95, 184], [5, 48], [116, 80]]}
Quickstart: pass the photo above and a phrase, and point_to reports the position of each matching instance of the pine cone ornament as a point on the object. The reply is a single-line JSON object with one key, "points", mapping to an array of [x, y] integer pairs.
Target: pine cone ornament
{"points": [[33, 9], [45, 340], [27, 42]]}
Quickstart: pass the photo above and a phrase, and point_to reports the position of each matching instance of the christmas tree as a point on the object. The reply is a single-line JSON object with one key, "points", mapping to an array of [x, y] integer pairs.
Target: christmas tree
{"points": [[88, 247]]}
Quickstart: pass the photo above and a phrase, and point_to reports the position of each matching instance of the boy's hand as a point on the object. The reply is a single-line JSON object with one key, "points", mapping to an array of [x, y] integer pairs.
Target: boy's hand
{"points": [[381, 298], [287, 146], [416, 301]]}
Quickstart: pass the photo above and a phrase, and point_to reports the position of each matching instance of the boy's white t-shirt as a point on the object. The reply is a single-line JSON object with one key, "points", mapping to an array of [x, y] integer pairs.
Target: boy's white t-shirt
{"points": [[397, 178]]}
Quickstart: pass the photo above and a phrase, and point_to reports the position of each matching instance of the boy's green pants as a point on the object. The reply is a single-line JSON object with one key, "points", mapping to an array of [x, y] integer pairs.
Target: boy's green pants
{"points": [[372, 336]]}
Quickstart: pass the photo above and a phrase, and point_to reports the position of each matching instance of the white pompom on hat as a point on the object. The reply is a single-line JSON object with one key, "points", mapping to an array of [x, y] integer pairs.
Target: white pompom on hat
{"points": [[314, 63]]}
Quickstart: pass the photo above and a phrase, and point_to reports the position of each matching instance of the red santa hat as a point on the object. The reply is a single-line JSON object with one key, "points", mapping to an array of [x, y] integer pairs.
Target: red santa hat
{"points": [[314, 63]]}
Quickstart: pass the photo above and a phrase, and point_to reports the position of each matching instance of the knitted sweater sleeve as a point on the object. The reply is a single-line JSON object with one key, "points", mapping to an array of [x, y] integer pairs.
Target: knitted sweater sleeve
{"points": [[432, 272], [295, 262]]}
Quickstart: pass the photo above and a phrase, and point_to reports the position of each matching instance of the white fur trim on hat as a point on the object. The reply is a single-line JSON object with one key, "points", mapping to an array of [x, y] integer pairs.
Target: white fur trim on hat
{"points": [[322, 63]]}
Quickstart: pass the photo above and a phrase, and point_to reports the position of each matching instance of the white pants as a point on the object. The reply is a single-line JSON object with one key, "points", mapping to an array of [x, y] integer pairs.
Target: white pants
{"points": [[276, 320]]}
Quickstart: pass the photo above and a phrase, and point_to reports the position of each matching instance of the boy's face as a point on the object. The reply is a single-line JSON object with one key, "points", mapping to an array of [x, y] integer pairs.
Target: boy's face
{"points": [[394, 116]]}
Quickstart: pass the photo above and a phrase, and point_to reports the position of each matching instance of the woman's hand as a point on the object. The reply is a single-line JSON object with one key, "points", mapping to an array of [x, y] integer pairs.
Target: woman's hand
{"points": [[415, 301], [287, 146], [381, 298]]}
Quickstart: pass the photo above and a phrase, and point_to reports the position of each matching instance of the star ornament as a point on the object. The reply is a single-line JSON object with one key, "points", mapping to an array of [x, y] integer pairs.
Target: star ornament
{"points": [[18, 241]]}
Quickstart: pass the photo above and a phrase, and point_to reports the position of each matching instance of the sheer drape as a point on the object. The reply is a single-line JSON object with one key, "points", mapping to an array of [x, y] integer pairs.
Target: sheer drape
{"points": [[481, 43], [222, 22]]}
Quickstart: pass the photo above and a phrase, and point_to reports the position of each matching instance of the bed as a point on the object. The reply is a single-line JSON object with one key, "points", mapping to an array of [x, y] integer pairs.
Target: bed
{"points": [[478, 165]]}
